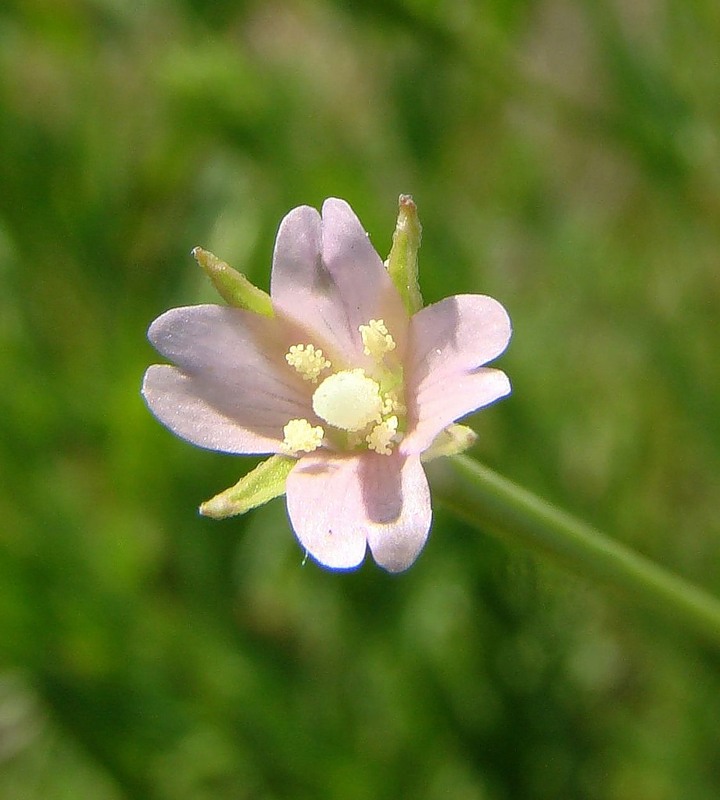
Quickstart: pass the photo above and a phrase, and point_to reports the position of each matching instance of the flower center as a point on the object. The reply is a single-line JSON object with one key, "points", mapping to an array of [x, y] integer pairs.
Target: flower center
{"points": [[349, 400], [371, 411]]}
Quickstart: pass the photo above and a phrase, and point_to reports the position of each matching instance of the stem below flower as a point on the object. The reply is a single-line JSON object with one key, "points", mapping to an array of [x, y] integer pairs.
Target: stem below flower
{"points": [[488, 501]]}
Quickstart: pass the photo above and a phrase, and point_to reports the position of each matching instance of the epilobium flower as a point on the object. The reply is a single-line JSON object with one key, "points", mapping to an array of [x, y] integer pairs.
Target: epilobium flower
{"points": [[335, 378]]}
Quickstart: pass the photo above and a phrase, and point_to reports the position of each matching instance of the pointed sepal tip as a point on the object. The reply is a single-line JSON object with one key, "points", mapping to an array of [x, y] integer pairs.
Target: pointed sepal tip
{"points": [[234, 288]]}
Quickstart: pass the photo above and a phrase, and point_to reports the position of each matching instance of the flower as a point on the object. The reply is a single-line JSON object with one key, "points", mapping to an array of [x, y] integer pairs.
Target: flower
{"points": [[340, 379]]}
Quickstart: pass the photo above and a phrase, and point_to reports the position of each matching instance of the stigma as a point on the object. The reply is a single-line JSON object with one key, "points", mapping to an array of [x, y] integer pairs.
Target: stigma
{"points": [[348, 400]]}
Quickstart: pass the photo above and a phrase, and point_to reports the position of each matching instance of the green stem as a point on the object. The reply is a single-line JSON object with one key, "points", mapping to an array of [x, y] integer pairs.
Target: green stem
{"points": [[485, 499]]}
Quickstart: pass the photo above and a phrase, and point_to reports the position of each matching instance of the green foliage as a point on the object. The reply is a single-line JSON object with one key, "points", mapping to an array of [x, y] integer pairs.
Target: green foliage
{"points": [[564, 160]]}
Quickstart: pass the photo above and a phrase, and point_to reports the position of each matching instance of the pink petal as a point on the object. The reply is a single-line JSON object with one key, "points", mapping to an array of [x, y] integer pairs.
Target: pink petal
{"points": [[338, 503], [328, 278], [457, 334], [186, 405], [449, 342], [325, 509], [234, 390], [399, 504], [444, 402]]}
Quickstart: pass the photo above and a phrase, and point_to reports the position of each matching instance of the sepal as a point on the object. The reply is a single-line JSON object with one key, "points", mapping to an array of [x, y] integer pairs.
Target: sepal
{"points": [[234, 288], [260, 485], [402, 263], [452, 441]]}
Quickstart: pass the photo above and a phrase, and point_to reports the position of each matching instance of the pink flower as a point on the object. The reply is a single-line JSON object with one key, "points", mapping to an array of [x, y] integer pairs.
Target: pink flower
{"points": [[340, 379]]}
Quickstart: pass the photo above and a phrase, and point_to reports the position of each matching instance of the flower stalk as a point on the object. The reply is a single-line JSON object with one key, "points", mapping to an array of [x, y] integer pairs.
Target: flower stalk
{"points": [[492, 503]]}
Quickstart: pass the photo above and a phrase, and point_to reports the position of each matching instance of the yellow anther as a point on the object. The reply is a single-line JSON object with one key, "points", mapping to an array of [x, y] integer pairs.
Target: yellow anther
{"points": [[300, 435], [376, 339], [307, 360], [382, 436]]}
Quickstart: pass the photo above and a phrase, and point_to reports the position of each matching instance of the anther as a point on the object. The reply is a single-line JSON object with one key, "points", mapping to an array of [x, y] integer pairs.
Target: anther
{"points": [[376, 339], [308, 360], [383, 436], [300, 435]]}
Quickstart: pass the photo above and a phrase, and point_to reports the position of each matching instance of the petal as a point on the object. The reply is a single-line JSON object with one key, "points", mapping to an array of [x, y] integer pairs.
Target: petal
{"points": [[449, 343], [457, 334], [186, 405], [338, 503], [325, 509], [328, 279], [443, 402], [397, 495], [232, 374]]}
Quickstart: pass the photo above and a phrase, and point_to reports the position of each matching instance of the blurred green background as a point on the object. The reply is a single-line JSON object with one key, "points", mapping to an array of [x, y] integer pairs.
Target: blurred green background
{"points": [[565, 158]]}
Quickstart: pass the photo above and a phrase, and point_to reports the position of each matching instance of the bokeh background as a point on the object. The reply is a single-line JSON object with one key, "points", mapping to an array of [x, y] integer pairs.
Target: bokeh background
{"points": [[565, 157]]}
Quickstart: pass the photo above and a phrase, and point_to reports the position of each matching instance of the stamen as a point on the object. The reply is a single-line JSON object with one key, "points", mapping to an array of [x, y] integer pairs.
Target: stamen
{"points": [[376, 339], [307, 360], [300, 435], [383, 436]]}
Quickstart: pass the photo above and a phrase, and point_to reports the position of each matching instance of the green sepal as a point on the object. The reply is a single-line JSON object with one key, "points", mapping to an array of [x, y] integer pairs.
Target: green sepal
{"points": [[452, 441], [234, 288], [260, 485], [402, 263]]}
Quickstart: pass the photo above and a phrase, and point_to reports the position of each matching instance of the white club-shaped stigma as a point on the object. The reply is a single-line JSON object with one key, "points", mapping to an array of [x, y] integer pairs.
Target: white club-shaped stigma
{"points": [[348, 400]]}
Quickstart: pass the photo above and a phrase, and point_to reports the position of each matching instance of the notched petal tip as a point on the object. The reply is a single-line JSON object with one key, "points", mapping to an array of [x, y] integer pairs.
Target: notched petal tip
{"points": [[170, 328], [333, 564], [336, 206], [396, 557]]}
